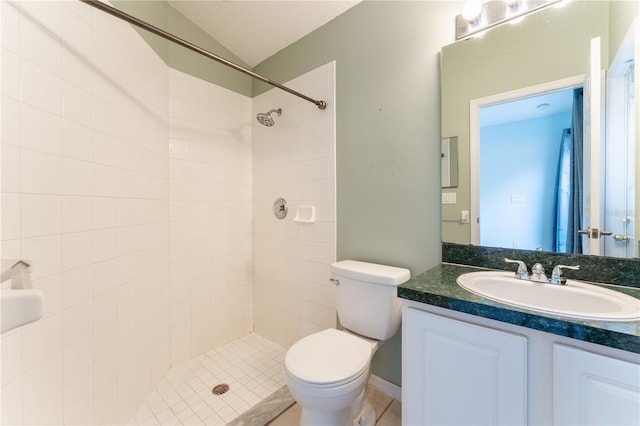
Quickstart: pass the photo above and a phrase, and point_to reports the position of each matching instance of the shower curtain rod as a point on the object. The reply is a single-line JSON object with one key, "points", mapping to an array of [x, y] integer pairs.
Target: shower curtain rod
{"points": [[155, 30]]}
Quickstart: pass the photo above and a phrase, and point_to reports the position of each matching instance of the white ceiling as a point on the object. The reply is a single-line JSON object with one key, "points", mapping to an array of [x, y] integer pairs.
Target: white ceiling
{"points": [[256, 29], [527, 108]]}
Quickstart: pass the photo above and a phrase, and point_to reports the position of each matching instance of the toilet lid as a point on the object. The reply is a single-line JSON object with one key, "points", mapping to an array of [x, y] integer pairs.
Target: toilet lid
{"points": [[330, 356]]}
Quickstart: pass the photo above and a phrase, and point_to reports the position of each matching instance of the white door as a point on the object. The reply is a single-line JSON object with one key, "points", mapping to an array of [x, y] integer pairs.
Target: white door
{"points": [[620, 172], [593, 158]]}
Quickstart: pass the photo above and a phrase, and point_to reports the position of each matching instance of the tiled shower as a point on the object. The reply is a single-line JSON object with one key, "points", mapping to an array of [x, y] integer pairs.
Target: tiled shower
{"points": [[295, 160], [143, 197]]}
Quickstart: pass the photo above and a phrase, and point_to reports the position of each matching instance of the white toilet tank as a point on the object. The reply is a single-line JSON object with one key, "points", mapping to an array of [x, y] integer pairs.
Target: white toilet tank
{"points": [[366, 297]]}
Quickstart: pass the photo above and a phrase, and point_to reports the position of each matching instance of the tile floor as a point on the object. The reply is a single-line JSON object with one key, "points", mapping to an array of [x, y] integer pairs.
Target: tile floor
{"points": [[388, 410], [252, 366]]}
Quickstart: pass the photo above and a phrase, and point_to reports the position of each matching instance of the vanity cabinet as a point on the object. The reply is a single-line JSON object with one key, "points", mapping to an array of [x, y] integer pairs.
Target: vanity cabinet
{"points": [[459, 368], [461, 373], [592, 389]]}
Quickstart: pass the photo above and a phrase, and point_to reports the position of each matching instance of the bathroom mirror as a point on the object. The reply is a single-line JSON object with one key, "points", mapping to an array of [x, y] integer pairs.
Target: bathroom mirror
{"points": [[548, 46], [450, 162]]}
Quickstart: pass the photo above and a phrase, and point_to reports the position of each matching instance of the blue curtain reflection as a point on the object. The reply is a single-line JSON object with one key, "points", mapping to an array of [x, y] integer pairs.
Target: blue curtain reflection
{"points": [[569, 183]]}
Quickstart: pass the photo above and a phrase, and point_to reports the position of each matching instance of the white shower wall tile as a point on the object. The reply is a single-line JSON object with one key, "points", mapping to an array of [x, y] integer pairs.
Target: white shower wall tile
{"points": [[10, 167], [46, 136], [51, 286], [45, 251], [202, 210], [135, 199], [295, 160], [38, 21], [10, 78], [40, 88], [41, 173], [68, 217]]}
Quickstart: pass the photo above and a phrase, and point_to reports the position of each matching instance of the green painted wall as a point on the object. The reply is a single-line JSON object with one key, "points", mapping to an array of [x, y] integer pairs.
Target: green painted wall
{"points": [[621, 14], [549, 45], [160, 14], [388, 132]]}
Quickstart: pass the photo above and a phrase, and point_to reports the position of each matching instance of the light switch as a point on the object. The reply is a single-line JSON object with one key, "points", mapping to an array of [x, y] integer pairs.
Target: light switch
{"points": [[448, 198], [464, 216]]}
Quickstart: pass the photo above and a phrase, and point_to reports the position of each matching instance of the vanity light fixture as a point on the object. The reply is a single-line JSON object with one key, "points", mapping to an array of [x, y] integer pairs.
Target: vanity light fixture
{"points": [[480, 15], [472, 11], [513, 6]]}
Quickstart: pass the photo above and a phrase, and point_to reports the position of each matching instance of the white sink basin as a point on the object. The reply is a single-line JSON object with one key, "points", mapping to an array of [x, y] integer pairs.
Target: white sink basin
{"points": [[20, 307], [575, 299]]}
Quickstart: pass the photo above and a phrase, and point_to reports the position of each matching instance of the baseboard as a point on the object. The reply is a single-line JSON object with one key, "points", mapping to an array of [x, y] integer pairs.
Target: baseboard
{"points": [[389, 388]]}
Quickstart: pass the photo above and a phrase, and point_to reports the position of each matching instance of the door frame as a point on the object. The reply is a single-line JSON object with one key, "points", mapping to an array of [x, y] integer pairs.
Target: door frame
{"points": [[615, 104], [474, 135]]}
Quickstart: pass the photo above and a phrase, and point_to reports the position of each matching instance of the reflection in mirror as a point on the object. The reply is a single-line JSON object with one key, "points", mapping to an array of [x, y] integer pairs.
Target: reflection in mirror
{"points": [[450, 162], [523, 139], [622, 156], [549, 46]]}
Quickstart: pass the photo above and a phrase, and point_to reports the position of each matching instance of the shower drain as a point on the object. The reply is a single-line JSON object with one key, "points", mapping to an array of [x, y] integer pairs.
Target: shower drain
{"points": [[220, 389]]}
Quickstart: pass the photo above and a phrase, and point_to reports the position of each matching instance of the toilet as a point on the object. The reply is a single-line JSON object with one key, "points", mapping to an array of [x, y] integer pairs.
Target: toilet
{"points": [[327, 372]]}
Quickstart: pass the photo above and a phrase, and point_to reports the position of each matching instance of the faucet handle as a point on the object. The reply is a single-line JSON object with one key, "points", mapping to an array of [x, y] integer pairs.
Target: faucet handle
{"points": [[537, 269], [537, 273], [522, 272], [556, 274]]}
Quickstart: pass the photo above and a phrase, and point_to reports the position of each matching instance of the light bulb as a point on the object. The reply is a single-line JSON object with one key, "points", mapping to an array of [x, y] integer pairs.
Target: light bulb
{"points": [[472, 10], [513, 6]]}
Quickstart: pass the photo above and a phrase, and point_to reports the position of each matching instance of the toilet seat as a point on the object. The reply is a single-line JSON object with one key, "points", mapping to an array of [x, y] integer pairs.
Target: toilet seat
{"points": [[328, 358]]}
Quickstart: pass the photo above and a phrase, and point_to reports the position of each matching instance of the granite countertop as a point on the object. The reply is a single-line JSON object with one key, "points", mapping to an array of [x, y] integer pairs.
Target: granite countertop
{"points": [[438, 287]]}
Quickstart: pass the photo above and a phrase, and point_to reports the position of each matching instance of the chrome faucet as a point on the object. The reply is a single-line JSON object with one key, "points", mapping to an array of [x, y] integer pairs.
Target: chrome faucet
{"points": [[556, 274], [537, 272], [522, 273]]}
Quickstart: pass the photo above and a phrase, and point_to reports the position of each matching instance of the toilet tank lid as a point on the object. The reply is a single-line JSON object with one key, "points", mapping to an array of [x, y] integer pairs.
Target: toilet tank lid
{"points": [[372, 272]]}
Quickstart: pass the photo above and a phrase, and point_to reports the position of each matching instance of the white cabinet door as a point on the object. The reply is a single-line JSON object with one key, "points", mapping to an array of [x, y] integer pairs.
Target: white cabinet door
{"points": [[592, 389], [459, 373]]}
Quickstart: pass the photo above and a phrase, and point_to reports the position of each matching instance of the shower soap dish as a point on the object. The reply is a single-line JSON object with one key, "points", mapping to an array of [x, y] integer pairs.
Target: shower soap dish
{"points": [[305, 214]]}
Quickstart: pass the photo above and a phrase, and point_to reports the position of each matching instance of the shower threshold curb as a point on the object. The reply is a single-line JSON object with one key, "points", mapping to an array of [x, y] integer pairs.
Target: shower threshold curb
{"points": [[267, 410]]}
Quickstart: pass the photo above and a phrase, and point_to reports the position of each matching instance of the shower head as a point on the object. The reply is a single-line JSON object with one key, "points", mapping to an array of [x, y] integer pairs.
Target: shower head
{"points": [[265, 118]]}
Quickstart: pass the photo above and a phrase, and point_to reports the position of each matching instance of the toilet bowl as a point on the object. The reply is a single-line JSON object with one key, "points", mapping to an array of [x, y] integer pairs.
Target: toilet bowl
{"points": [[327, 373]]}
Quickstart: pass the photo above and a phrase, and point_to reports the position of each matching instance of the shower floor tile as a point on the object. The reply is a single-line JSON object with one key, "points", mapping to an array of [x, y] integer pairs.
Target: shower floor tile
{"points": [[252, 366]]}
